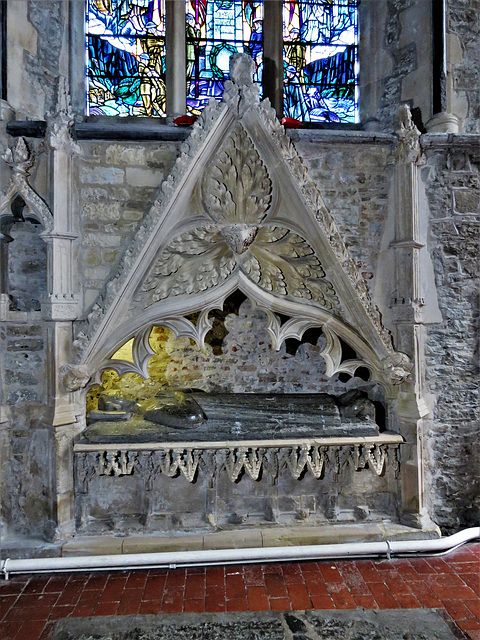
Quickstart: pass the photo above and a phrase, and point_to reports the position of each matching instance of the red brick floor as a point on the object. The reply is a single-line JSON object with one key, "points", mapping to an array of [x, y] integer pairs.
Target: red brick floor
{"points": [[451, 584]]}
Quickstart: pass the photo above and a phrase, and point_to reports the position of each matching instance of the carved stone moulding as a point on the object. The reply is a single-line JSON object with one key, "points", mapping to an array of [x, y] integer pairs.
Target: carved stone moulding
{"points": [[255, 459]]}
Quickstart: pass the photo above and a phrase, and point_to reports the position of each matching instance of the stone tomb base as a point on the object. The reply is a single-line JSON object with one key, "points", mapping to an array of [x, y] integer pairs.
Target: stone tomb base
{"points": [[418, 624]]}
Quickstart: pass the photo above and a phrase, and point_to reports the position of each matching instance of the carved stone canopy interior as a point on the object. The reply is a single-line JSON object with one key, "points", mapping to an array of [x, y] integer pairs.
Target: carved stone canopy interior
{"points": [[238, 212]]}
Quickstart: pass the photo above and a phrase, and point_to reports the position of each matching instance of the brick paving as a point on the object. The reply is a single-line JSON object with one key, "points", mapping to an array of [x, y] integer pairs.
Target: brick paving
{"points": [[29, 605]]}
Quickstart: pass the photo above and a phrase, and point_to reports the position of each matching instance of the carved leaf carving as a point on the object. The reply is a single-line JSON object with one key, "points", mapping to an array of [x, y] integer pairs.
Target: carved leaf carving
{"points": [[194, 261], [237, 187], [283, 262]]}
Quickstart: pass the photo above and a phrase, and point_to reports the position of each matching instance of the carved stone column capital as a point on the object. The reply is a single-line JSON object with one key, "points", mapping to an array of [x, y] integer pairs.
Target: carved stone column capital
{"points": [[60, 307]]}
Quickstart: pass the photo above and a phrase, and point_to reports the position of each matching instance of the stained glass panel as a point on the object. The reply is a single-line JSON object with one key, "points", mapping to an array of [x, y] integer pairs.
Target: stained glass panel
{"points": [[125, 57], [214, 30], [320, 60]]}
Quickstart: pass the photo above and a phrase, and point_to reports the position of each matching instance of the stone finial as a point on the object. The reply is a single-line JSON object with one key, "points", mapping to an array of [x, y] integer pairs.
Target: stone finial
{"points": [[61, 119], [241, 69], [240, 91], [408, 149], [19, 157]]}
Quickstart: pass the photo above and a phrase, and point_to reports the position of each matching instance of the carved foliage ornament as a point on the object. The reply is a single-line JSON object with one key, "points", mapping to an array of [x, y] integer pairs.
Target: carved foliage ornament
{"points": [[237, 194], [238, 462], [21, 160], [408, 149]]}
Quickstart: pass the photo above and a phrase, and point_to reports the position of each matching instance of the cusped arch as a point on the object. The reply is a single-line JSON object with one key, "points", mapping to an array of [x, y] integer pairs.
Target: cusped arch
{"points": [[172, 315]]}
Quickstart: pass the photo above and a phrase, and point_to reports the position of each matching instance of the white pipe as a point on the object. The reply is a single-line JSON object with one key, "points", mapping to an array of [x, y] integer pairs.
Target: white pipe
{"points": [[235, 556]]}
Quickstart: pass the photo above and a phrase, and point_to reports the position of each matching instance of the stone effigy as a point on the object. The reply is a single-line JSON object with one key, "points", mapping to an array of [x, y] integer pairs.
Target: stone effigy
{"points": [[195, 415]]}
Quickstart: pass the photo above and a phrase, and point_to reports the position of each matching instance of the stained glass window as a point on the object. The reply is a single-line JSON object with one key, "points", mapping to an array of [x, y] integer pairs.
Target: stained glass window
{"points": [[126, 57], [320, 60], [214, 30]]}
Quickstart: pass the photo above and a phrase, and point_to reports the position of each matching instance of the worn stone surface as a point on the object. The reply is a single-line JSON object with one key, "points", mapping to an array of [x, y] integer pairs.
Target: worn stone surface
{"points": [[313, 625], [26, 491], [117, 185], [35, 46], [355, 183], [24, 361], [464, 28], [452, 349], [27, 267]]}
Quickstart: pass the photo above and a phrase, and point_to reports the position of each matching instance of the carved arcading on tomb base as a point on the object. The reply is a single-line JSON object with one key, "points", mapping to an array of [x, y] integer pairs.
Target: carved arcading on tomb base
{"points": [[236, 462], [21, 160]]}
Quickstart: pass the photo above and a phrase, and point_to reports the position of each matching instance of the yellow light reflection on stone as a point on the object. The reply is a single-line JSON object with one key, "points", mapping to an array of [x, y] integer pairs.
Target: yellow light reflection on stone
{"points": [[125, 352]]}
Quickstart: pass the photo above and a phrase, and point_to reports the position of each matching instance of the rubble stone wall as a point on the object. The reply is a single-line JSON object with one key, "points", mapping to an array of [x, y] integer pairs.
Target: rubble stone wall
{"points": [[463, 29], [117, 184], [452, 359]]}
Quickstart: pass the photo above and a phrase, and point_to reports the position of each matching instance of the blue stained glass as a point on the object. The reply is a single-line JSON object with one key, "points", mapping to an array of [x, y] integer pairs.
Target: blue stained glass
{"points": [[214, 30], [320, 60], [125, 57]]}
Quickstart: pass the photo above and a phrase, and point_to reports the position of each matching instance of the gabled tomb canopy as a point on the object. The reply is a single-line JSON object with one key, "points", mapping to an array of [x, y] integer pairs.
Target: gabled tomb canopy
{"points": [[239, 212]]}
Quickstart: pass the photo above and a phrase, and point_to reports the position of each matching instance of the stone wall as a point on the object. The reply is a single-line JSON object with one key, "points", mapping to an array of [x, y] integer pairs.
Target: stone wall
{"points": [[28, 471], [395, 60], [36, 52], [463, 28], [453, 188], [355, 182], [117, 184], [27, 262]]}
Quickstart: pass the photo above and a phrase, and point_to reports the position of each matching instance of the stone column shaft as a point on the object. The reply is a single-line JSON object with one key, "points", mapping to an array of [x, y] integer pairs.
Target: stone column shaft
{"points": [[407, 317], [273, 54], [176, 80]]}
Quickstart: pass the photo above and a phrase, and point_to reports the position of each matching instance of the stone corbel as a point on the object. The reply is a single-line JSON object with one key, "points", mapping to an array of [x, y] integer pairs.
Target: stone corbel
{"points": [[74, 377]]}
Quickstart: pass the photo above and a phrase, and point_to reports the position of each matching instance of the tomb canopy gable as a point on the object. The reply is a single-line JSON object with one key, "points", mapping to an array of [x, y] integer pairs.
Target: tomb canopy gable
{"points": [[239, 211]]}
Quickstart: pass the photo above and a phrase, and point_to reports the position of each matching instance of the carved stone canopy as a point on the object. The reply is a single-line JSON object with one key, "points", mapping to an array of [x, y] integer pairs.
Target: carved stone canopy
{"points": [[238, 212]]}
